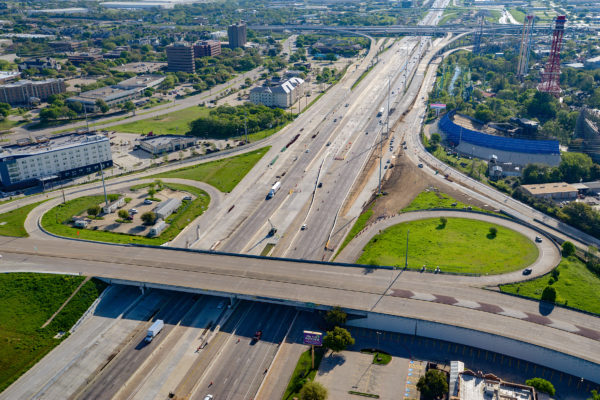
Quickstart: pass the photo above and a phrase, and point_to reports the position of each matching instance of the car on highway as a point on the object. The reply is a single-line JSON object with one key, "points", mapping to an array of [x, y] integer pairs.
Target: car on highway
{"points": [[527, 271], [320, 185], [208, 397], [147, 201], [420, 165], [538, 239], [303, 227]]}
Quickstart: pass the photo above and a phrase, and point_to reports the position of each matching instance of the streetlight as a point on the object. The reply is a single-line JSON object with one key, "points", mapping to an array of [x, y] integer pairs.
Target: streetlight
{"points": [[378, 356]]}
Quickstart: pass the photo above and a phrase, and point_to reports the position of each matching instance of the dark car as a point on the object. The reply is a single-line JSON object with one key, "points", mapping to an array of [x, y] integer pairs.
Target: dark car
{"points": [[527, 271], [257, 335]]}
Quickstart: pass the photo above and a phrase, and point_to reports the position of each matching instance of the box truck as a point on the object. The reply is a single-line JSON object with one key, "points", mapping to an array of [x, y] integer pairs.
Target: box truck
{"points": [[154, 330]]}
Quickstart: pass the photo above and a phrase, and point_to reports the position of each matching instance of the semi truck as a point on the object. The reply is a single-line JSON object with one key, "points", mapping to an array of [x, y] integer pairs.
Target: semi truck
{"points": [[273, 190], [154, 330]]}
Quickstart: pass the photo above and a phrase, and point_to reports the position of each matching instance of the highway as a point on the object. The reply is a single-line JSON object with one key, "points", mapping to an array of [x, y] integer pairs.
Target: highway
{"points": [[379, 291]]}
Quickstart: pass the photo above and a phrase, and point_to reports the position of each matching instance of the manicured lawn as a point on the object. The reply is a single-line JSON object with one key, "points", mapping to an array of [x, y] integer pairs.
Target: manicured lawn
{"points": [[517, 14], [26, 302], [175, 123], [576, 287], [463, 245], [223, 174], [12, 223], [56, 219], [303, 373], [430, 199]]}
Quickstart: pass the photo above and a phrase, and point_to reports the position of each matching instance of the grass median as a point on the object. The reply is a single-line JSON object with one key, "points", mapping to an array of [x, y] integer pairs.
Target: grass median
{"points": [[460, 245], [224, 174], [576, 286], [12, 223], [26, 302], [303, 373], [57, 220]]}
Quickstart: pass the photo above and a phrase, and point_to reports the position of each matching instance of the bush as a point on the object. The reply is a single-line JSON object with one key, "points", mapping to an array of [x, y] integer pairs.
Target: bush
{"points": [[568, 249], [541, 385], [549, 294], [443, 221], [335, 317], [127, 200], [313, 391], [493, 231], [148, 218], [93, 211], [113, 197], [123, 214]]}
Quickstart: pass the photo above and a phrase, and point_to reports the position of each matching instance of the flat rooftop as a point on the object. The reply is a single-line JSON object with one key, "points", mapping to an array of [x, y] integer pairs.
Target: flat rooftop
{"points": [[165, 139], [491, 388], [44, 144], [24, 82], [549, 188]]}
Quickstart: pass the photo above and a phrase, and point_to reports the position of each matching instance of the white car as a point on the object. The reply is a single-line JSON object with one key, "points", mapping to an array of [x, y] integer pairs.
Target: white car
{"points": [[208, 397], [133, 211]]}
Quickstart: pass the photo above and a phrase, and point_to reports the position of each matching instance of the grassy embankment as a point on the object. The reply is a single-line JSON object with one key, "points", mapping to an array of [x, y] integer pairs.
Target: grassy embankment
{"points": [[27, 301], [224, 174], [303, 373], [576, 287], [12, 223], [461, 246]]}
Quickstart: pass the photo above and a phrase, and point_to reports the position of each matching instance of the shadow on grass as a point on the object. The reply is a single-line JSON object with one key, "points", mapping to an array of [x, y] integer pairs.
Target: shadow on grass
{"points": [[490, 236]]}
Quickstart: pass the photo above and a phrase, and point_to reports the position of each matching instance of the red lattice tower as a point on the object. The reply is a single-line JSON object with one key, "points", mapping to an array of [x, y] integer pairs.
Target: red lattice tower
{"points": [[551, 75]]}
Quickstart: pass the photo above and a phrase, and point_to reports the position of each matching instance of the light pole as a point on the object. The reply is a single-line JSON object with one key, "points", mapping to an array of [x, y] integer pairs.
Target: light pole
{"points": [[378, 356], [406, 255]]}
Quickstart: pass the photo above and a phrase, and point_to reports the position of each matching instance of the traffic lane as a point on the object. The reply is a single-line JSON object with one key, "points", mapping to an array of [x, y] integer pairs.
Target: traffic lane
{"points": [[134, 354], [240, 369]]}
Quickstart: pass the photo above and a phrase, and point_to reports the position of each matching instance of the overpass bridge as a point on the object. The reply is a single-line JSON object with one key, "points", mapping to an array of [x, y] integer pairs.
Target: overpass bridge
{"points": [[443, 307], [425, 30]]}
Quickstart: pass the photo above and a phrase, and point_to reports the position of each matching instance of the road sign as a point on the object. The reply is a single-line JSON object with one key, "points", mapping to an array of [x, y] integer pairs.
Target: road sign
{"points": [[313, 338]]}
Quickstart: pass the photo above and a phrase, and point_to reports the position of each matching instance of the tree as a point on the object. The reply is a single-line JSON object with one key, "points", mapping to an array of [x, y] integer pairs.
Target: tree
{"points": [[432, 385], [93, 211], [443, 221], [435, 138], [128, 106], [338, 339], [595, 395], [336, 317], [148, 218], [541, 385], [101, 104], [575, 167], [123, 214], [549, 294], [493, 231], [568, 249], [313, 391], [151, 192]]}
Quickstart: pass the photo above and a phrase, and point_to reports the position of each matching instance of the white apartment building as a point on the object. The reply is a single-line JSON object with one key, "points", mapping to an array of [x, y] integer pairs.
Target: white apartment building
{"points": [[282, 95], [61, 157]]}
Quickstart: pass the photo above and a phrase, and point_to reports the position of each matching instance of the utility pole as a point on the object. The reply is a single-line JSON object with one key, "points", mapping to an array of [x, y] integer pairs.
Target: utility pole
{"points": [[103, 184], [406, 255]]}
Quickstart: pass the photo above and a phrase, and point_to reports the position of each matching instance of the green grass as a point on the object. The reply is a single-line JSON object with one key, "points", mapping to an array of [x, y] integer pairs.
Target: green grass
{"points": [[495, 16], [303, 373], [576, 287], [8, 124], [223, 174], [447, 16], [175, 123], [26, 302], [430, 199], [462, 246], [361, 77], [518, 15], [358, 226], [381, 358], [57, 218], [14, 221]]}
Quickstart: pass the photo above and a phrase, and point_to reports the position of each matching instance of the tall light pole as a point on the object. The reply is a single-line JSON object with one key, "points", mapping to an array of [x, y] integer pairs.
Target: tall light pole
{"points": [[406, 255], [103, 184]]}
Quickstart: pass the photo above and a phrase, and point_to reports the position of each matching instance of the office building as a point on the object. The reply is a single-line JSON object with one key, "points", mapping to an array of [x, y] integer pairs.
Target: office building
{"points": [[166, 143], [237, 35], [82, 58], [39, 64], [26, 92], [180, 57], [207, 48], [31, 163], [281, 95], [114, 95]]}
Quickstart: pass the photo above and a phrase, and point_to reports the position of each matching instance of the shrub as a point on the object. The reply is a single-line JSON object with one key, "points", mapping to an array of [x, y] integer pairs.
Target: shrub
{"points": [[148, 218], [313, 391], [93, 211], [493, 231], [568, 249], [127, 200], [541, 385], [113, 197], [549, 294], [123, 214]]}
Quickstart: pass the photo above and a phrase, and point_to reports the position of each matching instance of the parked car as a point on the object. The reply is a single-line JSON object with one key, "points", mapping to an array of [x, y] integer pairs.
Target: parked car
{"points": [[147, 201], [188, 198], [133, 211], [538, 239]]}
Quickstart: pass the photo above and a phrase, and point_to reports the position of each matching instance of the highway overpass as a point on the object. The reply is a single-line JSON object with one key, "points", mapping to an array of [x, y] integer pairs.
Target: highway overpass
{"points": [[440, 306]]}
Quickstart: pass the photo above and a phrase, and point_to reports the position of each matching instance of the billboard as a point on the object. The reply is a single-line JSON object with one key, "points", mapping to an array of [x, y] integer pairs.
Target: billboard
{"points": [[313, 338]]}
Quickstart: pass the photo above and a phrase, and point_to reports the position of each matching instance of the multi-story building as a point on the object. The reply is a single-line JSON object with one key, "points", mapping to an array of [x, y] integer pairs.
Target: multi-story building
{"points": [[128, 89], [40, 64], [81, 58], [180, 57], [49, 159], [26, 92], [237, 35], [207, 48], [63, 46], [282, 95]]}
